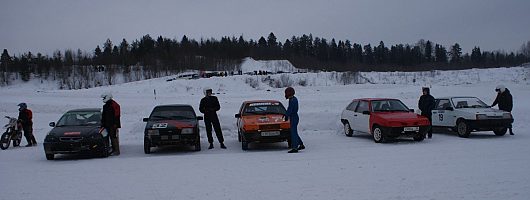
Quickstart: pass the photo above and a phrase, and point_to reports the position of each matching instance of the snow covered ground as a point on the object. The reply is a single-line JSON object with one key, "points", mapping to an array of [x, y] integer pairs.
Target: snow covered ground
{"points": [[332, 167]]}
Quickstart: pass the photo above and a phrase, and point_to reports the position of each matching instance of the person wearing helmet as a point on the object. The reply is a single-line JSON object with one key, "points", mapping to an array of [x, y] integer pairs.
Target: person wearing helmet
{"points": [[292, 115], [426, 105], [25, 118], [209, 106], [110, 120], [504, 100]]}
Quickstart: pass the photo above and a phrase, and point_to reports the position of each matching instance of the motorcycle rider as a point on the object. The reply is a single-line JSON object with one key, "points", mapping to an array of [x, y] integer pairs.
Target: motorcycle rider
{"points": [[110, 120], [209, 106], [25, 118], [504, 100], [426, 105], [292, 114]]}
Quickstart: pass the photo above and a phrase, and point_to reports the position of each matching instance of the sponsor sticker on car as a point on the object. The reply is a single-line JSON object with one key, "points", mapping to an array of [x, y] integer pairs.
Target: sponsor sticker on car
{"points": [[72, 133]]}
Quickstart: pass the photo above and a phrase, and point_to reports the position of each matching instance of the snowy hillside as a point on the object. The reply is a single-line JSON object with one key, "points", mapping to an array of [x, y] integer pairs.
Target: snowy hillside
{"points": [[332, 167]]}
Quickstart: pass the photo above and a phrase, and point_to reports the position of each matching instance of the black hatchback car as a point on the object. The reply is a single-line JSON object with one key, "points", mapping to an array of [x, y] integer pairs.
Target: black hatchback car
{"points": [[77, 131], [172, 125]]}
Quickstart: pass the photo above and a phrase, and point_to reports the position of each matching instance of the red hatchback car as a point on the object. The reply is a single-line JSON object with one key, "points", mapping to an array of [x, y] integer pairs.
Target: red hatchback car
{"points": [[384, 119]]}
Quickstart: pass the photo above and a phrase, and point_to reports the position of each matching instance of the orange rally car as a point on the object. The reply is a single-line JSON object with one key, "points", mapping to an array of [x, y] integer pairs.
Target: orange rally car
{"points": [[262, 121]]}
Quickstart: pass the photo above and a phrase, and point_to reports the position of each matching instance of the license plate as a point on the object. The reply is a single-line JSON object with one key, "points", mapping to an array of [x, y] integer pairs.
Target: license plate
{"points": [[270, 133], [175, 137], [411, 128], [164, 137]]}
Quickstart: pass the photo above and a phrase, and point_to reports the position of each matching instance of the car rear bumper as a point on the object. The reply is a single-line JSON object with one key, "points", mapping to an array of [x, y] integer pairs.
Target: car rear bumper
{"points": [[258, 136], [400, 132], [73, 147], [489, 124], [159, 140]]}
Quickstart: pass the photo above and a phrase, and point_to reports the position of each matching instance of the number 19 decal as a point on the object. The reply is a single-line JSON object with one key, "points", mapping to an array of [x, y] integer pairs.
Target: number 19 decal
{"points": [[441, 116]]}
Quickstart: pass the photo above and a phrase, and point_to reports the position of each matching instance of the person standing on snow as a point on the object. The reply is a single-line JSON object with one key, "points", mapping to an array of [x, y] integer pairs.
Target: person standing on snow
{"points": [[110, 120], [504, 100], [426, 105], [209, 106], [292, 115], [25, 118]]}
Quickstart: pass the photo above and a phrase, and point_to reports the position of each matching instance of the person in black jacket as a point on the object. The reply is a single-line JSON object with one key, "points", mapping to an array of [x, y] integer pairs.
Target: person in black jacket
{"points": [[25, 118], [504, 100], [426, 105], [110, 120], [209, 106]]}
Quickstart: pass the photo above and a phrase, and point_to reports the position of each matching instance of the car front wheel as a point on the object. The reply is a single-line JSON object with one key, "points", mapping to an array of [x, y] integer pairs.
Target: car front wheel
{"points": [[462, 128], [347, 129], [378, 134], [147, 146], [500, 131], [50, 156]]}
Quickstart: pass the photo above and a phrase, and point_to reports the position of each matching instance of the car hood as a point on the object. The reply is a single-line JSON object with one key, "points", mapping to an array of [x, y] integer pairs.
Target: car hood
{"points": [[171, 124], [487, 111], [392, 116], [263, 119], [74, 131]]}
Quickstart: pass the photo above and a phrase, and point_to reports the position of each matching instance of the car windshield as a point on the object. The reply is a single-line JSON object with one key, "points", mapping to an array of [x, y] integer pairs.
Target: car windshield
{"points": [[264, 108], [468, 102], [389, 106], [173, 113], [86, 118]]}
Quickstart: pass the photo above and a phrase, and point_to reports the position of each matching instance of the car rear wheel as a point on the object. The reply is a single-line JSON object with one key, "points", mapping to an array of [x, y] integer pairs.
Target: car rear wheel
{"points": [[500, 131], [147, 146], [462, 128], [50, 156], [347, 129], [378, 134]]}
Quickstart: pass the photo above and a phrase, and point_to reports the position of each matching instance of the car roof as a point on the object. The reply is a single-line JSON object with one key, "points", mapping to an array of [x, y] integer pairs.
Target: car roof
{"points": [[174, 105], [261, 101], [86, 110], [455, 97], [374, 99]]}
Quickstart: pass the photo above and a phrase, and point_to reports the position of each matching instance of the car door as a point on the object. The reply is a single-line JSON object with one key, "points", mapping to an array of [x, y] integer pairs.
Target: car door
{"points": [[362, 121], [349, 112], [442, 113], [239, 121]]}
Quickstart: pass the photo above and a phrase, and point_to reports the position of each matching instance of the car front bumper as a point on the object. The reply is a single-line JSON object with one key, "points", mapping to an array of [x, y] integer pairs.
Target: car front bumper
{"points": [[400, 132], [174, 139], [85, 145], [258, 136], [489, 124]]}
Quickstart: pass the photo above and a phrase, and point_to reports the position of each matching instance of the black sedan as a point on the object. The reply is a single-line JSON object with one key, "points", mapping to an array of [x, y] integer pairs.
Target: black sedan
{"points": [[172, 125], [77, 131]]}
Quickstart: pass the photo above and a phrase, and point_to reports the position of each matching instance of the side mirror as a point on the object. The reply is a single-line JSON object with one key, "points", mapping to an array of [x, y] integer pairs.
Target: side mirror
{"points": [[200, 118], [52, 124], [449, 108], [366, 112], [411, 110], [145, 119], [238, 115]]}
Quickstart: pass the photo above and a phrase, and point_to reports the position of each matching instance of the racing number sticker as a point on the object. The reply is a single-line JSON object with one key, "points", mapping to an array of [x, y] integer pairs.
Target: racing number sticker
{"points": [[441, 116]]}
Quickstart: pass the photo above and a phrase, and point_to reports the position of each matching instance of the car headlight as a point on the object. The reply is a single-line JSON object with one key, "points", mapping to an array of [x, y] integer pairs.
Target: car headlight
{"points": [[507, 115], [187, 131], [482, 116], [152, 132]]}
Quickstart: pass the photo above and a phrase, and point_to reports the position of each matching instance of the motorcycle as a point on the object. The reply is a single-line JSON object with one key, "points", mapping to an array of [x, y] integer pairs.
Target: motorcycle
{"points": [[13, 133]]}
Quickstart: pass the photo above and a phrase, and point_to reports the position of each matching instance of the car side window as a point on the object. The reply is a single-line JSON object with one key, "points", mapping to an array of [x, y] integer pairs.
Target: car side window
{"points": [[442, 104], [352, 106], [363, 106]]}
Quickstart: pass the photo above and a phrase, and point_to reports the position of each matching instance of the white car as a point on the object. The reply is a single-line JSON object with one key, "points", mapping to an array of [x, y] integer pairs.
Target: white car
{"points": [[467, 114]]}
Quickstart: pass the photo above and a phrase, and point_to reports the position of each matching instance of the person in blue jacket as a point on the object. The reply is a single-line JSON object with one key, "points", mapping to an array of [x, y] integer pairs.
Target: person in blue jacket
{"points": [[292, 114]]}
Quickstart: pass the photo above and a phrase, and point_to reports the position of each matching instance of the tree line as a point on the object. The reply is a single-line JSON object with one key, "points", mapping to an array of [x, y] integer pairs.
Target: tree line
{"points": [[149, 57]]}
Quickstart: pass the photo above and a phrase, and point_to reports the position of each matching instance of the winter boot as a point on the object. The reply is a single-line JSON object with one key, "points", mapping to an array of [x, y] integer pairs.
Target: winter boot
{"points": [[115, 147], [301, 147], [511, 132], [223, 146], [33, 140], [293, 151], [211, 146], [29, 145]]}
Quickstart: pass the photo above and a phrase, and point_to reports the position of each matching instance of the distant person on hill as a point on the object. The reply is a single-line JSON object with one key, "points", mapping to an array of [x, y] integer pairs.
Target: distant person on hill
{"points": [[25, 118], [504, 100], [209, 106], [426, 105], [292, 115]]}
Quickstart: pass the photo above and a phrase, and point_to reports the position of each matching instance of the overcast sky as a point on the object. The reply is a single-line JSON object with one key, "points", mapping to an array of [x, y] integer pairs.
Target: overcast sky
{"points": [[48, 25]]}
